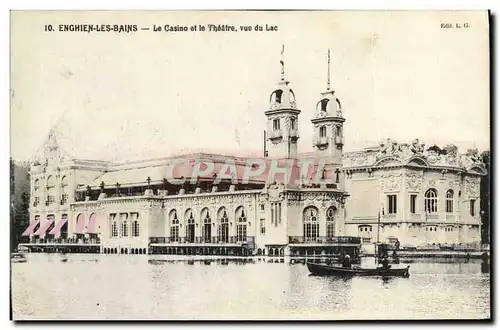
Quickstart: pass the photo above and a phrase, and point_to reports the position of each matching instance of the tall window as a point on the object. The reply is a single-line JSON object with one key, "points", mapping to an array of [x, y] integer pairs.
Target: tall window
{"points": [[413, 204], [472, 207], [223, 225], [207, 226], [64, 190], [337, 131], [124, 224], [449, 201], [324, 103], [293, 123], [276, 124], [263, 226], [80, 224], [189, 220], [134, 218], [50, 190], [275, 214], [277, 95], [114, 225], [322, 132], [272, 213], [37, 192], [330, 222], [241, 227], [64, 228], [311, 224], [393, 205], [431, 201], [174, 228]]}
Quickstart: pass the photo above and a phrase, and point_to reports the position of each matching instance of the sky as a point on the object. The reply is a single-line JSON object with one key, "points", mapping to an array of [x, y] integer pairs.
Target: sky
{"points": [[145, 94]]}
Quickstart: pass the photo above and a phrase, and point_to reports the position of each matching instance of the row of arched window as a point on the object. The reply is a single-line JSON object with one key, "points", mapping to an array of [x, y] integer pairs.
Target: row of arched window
{"points": [[222, 221], [431, 201], [50, 190], [311, 222], [126, 226]]}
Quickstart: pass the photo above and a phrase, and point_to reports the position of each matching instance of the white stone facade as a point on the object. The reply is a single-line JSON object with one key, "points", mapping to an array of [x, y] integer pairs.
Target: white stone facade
{"points": [[421, 196]]}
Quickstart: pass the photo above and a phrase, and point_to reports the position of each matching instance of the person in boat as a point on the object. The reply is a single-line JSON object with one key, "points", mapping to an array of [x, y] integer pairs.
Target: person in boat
{"points": [[385, 262], [347, 261]]}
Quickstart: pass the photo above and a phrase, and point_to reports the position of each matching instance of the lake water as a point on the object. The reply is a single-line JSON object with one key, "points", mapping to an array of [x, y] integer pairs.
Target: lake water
{"points": [[132, 287]]}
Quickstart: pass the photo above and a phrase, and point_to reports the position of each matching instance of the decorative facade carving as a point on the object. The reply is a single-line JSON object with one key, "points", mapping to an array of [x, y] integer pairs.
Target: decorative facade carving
{"points": [[417, 147], [413, 181], [391, 181], [472, 187]]}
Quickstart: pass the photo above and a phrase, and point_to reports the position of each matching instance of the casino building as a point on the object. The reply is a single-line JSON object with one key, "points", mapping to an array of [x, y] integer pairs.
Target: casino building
{"points": [[396, 191]]}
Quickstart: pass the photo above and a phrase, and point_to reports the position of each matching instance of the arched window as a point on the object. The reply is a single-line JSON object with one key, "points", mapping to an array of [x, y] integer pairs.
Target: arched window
{"points": [[51, 198], [207, 226], [276, 96], [322, 131], [324, 104], [241, 224], [174, 229], [431, 201], [64, 190], [449, 201], [311, 224], [330, 221], [135, 224], [80, 224], [189, 221], [124, 224], [90, 229], [114, 225], [223, 231], [36, 194], [64, 228]]}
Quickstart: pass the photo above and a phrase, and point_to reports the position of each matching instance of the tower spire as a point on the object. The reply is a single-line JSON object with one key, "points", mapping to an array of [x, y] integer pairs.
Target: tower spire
{"points": [[328, 73], [282, 62]]}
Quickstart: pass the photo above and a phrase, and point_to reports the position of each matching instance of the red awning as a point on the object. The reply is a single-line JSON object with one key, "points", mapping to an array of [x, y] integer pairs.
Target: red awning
{"points": [[43, 228], [90, 228], [80, 224], [31, 228], [57, 228]]}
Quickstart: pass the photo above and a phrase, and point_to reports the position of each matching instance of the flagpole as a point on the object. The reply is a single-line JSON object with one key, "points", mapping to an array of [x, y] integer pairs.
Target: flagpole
{"points": [[378, 227], [378, 237]]}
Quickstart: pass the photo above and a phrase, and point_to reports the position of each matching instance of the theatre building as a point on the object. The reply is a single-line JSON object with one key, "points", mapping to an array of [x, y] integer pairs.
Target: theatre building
{"points": [[419, 196]]}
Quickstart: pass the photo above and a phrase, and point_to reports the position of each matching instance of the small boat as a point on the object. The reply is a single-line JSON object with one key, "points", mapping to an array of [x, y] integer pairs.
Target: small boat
{"points": [[320, 269], [18, 257]]}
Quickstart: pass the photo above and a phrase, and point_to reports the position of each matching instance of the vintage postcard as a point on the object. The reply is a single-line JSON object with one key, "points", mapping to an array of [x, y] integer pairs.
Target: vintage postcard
{"points": [[250, 165]]}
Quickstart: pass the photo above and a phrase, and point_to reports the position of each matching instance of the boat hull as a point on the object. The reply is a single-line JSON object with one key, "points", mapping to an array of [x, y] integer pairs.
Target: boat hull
{"points": [[319, 269]]}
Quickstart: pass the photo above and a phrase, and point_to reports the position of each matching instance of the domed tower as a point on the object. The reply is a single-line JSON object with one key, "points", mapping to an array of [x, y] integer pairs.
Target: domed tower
{"points": [[51, 147], [328, 124], [282, 130]]}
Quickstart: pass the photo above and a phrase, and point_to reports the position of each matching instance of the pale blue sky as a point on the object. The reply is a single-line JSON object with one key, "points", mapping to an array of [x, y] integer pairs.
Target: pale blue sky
{"points": [[146, 94]]}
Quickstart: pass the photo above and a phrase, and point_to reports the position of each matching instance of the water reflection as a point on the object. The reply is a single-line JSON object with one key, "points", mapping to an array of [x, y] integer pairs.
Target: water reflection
{"points": [[160, 287]]}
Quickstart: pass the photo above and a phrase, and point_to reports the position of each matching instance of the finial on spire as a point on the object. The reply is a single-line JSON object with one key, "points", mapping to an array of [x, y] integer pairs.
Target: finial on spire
{"points": [[282, 62], [328, 73]]}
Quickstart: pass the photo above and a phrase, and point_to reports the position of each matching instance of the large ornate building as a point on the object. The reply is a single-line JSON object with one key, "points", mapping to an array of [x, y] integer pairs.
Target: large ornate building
{"points": [[393, 191]]}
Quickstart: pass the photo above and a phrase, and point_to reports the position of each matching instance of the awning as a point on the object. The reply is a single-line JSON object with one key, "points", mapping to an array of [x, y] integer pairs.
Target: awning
{"points": [[90, 228], [43, 228], [57, 228], [80, 224], [31, 228]]}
